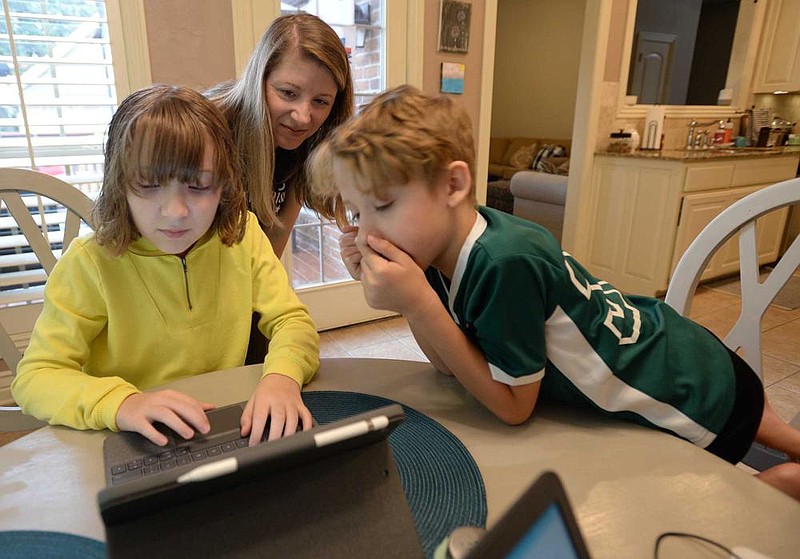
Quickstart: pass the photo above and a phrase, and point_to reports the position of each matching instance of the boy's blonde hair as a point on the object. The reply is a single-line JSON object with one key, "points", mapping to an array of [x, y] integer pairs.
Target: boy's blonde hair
{"points": [[402, 135], [160, 133], [244, 103]]}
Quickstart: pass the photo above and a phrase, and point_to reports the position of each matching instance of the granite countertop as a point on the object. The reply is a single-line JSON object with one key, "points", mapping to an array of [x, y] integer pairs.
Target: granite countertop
{"points": [[709, 153]]}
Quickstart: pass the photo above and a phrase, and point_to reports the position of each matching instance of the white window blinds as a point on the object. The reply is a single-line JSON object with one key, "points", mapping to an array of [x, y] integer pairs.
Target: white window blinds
{"points": [[57, 90]]}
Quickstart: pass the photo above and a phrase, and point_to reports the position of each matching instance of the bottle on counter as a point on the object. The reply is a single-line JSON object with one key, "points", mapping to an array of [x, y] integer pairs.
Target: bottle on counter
{"points": [[620, 142], [728, 138], [719, 135], [635, 138]]}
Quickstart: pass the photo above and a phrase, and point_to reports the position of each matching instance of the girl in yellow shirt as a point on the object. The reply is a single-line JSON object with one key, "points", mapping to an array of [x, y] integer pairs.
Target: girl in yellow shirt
{"points": [[166, 287]]}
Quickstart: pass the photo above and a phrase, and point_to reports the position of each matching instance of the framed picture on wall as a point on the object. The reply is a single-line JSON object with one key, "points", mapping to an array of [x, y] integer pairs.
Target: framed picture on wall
{"points": [[452, 78], [454, 18]]}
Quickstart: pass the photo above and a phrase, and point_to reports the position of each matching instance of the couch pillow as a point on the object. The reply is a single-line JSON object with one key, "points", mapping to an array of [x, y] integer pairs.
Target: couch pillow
{"points": [[545, 151], [513, 145], [563, 169], [523, 157], [559, 151], [548, 158]]}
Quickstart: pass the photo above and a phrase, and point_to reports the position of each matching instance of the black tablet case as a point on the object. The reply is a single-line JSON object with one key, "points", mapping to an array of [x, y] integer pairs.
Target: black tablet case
{"points": [[348, 504]]}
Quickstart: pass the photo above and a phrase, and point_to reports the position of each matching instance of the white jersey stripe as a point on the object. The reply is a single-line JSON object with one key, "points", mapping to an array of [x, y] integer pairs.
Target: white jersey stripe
{"points": [[569, 351], [500, 375], [461, 264]]}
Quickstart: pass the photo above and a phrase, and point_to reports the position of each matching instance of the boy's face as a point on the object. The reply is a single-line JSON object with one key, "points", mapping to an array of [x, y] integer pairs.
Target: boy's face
{"points": [[414, 217], [173, 216]]}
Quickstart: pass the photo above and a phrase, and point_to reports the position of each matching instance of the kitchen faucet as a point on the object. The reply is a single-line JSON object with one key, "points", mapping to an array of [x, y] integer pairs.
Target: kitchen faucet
{"points": [[699, 140]]}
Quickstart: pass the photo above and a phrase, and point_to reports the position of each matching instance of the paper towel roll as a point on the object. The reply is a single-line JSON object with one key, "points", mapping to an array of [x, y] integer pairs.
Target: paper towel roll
{"points": [[653, 127]]}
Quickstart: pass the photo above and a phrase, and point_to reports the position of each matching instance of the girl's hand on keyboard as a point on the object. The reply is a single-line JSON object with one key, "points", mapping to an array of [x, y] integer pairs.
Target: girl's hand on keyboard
{"points": [[180, 412], [277, 398]]}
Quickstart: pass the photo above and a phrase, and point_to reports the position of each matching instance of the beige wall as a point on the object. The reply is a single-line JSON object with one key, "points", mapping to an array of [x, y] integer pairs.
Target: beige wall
{"points": [[616, 40], [472, 60], [536, 67], [190, 41]]}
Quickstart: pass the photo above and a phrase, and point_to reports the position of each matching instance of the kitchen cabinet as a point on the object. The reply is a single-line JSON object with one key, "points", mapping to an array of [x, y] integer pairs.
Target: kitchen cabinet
{"points": [[778, 65], [697, 211], [645, 211]]}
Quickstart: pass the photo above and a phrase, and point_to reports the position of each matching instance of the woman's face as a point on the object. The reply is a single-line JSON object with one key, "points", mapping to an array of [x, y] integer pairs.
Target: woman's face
{"points": [[300, 96]]}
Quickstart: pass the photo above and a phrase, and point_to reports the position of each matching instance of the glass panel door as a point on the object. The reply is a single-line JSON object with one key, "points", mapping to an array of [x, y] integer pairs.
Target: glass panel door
{"points": [[317, 272]]}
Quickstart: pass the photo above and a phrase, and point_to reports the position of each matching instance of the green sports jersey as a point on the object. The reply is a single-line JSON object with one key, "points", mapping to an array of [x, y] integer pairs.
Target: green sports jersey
{"points": [[537, 314]]}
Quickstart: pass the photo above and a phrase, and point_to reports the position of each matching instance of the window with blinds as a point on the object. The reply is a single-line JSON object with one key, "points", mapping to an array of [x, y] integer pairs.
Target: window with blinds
{"points": [[57, 95], [56, 88]]}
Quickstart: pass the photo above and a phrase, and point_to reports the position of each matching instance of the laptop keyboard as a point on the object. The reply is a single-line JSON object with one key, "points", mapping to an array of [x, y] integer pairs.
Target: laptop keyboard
{"points": [[187, 452]]}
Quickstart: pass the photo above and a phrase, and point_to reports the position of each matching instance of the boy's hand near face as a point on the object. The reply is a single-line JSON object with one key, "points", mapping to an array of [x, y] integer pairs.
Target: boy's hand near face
{"points": [[180, 412], [276, 397], [392, 280], [351, 255]]}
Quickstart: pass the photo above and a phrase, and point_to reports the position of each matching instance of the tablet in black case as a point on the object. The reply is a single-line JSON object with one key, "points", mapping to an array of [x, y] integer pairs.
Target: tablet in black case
{"points": [[332, 491]]}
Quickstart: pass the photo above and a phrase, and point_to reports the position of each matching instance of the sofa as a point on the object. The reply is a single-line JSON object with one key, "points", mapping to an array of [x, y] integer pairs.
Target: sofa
{"points": [[509, 155], [528, 177], [540, 197]]}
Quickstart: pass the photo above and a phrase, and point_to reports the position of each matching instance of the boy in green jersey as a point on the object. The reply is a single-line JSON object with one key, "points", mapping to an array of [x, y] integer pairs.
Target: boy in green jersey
{"points": [[495, 301]]}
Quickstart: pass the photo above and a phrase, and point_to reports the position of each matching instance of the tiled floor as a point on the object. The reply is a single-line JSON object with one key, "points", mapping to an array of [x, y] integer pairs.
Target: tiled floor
{"points": [[716, 310], [780, 344]]}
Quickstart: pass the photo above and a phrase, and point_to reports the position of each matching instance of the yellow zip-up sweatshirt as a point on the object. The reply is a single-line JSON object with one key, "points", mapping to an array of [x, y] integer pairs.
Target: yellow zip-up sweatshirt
{"points": [[114, 325]]}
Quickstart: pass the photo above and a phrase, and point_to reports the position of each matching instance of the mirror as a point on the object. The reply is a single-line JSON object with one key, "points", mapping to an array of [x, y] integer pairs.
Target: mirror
{"points": [[689, 52]]}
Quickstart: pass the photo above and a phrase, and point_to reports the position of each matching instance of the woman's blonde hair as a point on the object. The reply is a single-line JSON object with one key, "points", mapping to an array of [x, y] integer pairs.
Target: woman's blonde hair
{"points": [[244, 103], [161, 133], [402, 135]]}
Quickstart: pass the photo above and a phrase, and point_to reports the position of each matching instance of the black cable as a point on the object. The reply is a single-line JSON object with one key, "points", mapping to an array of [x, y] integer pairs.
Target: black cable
{"points": [[718, 545]]}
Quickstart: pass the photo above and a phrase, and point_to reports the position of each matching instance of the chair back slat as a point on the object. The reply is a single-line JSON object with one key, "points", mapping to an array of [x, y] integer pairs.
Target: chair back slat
{"points": [[33, 234], [44, 217]]}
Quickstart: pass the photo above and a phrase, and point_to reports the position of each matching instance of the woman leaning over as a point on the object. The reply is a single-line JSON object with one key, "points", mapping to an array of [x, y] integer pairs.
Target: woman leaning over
{"points": [[296, 88]]}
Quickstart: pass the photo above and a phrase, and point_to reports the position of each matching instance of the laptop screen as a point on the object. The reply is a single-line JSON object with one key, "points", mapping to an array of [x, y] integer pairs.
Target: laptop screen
{"points": [[547, 537]]}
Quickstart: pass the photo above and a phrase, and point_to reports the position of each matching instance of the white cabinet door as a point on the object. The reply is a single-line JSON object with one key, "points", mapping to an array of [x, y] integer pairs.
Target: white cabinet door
{"points": [[698, 210], [634, 213], [779, 57]]}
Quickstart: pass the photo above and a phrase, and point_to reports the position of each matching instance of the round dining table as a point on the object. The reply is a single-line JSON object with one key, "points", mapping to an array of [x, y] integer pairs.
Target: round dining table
{"points": [[627, 484]]}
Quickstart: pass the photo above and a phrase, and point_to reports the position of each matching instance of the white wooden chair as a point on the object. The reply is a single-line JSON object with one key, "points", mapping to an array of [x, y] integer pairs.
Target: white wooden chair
{"points": [[41, 215], [756, 295]]}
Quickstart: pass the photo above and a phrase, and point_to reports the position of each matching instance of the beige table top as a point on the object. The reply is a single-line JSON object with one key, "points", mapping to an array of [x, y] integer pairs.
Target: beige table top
{"points": [[627, 484]]}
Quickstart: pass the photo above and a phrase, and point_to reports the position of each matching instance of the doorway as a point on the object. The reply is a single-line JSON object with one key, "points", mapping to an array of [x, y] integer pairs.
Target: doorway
{"points": [[536, 63]]}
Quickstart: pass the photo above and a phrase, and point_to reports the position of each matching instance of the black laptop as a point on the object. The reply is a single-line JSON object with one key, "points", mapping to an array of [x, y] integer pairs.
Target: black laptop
{"points": [[306, 495]]}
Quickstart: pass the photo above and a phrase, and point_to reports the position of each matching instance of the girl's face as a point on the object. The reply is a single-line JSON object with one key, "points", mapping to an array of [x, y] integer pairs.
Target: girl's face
{"points": [[173, 216], [300, 96]]}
